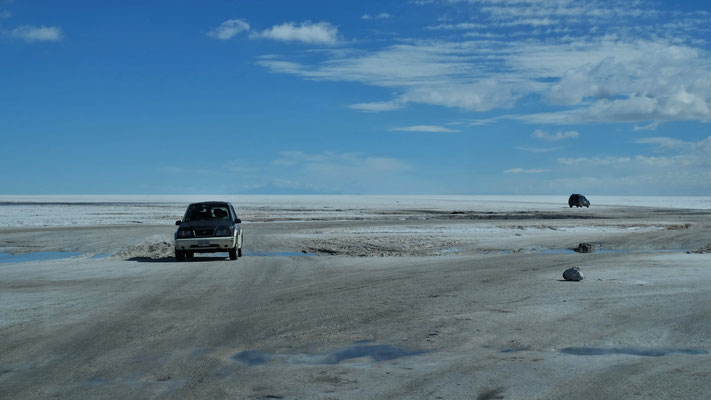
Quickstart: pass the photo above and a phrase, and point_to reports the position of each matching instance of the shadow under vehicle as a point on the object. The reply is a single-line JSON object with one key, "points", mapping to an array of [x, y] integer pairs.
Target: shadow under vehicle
{"points": [[208, 227], [578, 200]]}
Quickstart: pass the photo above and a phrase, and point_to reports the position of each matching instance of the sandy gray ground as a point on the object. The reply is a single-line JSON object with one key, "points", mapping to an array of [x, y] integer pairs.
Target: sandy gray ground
{"points": [[415, 304]]}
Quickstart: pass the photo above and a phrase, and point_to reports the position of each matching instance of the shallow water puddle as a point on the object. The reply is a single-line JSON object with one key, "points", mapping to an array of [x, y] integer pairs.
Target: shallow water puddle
{"points": [[509, 350], [555, 251], [634, 351], [254, 357], [374, 352], [37, 256]]}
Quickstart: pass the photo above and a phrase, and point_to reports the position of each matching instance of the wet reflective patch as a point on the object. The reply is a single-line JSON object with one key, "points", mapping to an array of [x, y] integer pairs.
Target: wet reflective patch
{"points": [[376, 353], [254, 357], [37, 256]]}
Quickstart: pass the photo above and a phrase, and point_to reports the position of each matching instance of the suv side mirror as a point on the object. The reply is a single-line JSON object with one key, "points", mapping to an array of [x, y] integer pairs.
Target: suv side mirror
{"points": [[238, 221], [178, 222]]}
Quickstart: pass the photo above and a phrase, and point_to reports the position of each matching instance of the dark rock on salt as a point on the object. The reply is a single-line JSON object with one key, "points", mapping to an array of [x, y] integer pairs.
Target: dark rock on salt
{"points": [[573, 274], [584, 248]]}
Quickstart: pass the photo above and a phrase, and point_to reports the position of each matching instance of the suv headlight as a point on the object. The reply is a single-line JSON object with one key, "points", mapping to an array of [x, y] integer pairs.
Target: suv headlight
{"points": [[185, 233], [227, 231]]}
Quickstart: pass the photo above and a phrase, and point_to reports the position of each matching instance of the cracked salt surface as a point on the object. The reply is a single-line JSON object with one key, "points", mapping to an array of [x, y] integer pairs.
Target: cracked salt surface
{"points": [[278, 254], [608, 251], [483, 228], [58, 210]]}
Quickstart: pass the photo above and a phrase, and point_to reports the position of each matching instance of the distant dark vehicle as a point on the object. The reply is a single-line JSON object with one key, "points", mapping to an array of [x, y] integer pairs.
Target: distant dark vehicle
{"points": [[578, 200], [208, 227]]}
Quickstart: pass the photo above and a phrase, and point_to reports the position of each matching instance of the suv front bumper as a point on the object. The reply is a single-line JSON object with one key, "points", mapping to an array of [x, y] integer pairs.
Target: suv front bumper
{"points": [[207, 244]]}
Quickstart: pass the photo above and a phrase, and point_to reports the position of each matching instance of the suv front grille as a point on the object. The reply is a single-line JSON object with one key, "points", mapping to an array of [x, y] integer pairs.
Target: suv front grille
{"points": [[204, 232]]}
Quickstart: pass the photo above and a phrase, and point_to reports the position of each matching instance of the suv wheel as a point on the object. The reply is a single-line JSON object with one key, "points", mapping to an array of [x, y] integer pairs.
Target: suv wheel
{"points": [[179, 255], [233, 253]]}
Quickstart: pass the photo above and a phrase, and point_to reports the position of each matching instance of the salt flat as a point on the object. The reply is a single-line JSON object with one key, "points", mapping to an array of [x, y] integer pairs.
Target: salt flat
{"points": [[67, 210], [394, 297]]}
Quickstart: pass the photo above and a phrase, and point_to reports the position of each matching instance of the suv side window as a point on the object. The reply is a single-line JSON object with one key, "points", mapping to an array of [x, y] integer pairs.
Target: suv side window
{"points": [[234, 214]]}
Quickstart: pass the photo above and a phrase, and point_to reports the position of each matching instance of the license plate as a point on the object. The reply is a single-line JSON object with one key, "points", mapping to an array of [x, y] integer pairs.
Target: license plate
{"points": [[203, 243]]}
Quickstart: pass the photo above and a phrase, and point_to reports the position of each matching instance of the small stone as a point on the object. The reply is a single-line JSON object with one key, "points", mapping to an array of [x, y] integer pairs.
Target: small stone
{"points": [[573, 274], [584, 248]]}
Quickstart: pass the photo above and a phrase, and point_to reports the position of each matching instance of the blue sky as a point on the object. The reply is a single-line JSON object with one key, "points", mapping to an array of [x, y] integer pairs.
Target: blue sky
{"points": [[355, 97]]}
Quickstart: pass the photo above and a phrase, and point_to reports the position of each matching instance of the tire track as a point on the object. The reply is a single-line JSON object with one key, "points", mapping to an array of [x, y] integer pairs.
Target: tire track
{"points": [[197, 376], [80, 346]]}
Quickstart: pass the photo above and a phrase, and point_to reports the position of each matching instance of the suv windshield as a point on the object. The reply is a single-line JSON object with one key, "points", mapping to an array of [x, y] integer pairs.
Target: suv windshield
{"points": [[198, 212]]}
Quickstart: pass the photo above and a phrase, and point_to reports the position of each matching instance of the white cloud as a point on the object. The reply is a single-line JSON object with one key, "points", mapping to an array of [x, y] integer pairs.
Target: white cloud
{"points": [[664, 162], [639, 160], [593, 161], [30, 33], [634, 72], [538, 149], [552, 137], [396, 66], [368, 17], [458, 26], [481, 122], [703, 148], [483, 95], [661, 182], [229, 29], [688, 171], [377, 106], [691, 156], [562, 11], [306, 32], [524, 171], [602, 81], [649, 127], [316, 161], [665, 143], [426, 128], [628, 81], [431, 73], [331, 172]]}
